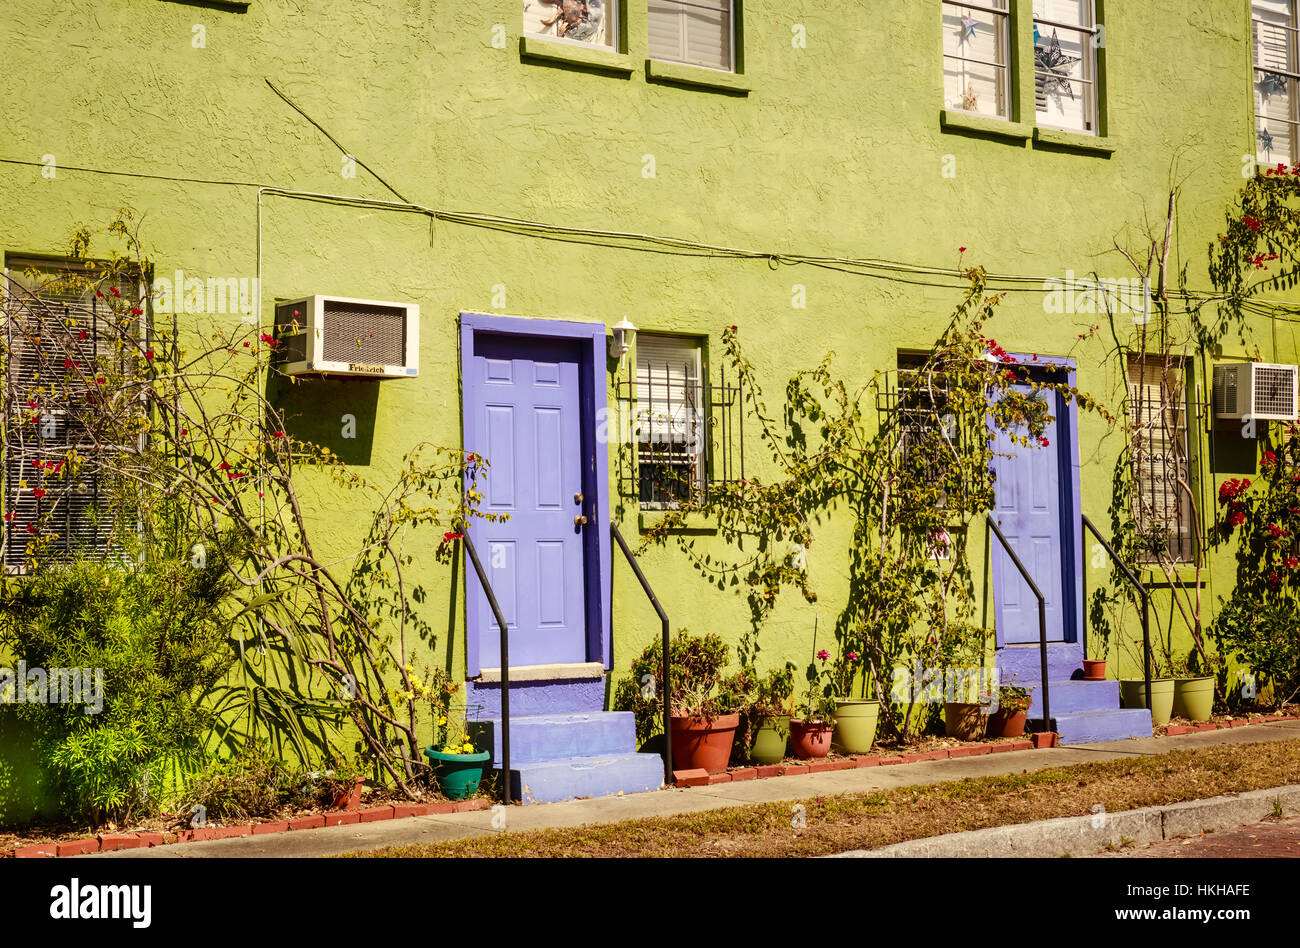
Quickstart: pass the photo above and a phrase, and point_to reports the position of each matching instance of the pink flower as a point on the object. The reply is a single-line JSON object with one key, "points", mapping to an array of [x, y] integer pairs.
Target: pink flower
{"points": [[852, 656], [823, 655]]}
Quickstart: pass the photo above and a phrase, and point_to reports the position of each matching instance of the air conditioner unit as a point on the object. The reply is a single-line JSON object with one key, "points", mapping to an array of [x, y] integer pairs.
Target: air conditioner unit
{"points": [[336, 335], [1258, 390]]}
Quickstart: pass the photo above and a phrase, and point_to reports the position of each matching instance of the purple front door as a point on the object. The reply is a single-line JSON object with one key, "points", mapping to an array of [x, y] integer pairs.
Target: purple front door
{"points": [[527, 422], [1027, 507]]}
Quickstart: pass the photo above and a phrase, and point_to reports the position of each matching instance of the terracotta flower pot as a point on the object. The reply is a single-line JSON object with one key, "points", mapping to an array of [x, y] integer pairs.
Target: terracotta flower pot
{"points": [[1007, 724], [699, 744], [964, 721], [349, 799], [810, 739], [1094, 669]]}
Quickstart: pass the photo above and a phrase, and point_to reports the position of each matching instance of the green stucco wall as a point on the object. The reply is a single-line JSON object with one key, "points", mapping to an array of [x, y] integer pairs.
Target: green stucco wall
{"points": [[836, 150]]}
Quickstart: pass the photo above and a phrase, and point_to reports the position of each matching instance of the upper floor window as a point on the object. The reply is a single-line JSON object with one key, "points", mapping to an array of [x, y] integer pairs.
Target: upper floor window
{"points": [[583, 21], [695, 32], [976, 60], [1162, 488], [1065, 65], [1273, 36]]}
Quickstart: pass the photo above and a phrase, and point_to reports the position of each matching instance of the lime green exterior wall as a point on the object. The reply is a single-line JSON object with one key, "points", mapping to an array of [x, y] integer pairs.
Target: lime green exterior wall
{"points": [[833, 149]]}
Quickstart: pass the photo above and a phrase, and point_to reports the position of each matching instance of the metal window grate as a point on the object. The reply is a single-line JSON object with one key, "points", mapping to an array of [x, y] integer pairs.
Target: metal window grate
{"points": [[1161, 463], [1274, 390]]}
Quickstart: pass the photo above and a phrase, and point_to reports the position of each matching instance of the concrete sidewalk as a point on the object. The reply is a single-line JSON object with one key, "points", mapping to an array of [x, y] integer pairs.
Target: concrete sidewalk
{"points": [[433, 829]]}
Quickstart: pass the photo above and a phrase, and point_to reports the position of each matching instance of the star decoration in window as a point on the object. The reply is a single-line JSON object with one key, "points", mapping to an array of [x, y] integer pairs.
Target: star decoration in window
{"points": [[1054, 69], [1271, 84], [1265, 141], [968, 24]]}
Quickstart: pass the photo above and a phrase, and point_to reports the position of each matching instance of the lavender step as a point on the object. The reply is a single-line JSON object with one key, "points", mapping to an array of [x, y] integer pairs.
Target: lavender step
{"points": [[539, 737], [1076, 695], [1090, 727], [551, 781], [1023, 663]]}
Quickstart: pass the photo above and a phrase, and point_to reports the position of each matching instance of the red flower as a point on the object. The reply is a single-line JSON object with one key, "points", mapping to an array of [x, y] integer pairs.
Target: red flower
{"points": [[245, 345], [69, 364], [1237, 519], [38, 493], [114, 291], [30, 528], [961, 249], [223, 466], [136, 311], [853, 656], [82, 334], [1043, 442], [1292, 562], [184, 432], [277, 434], [733, 327], [9, 516], [451, 535], [1251, 222], [149, 354], [823, 655], [269, 340]]}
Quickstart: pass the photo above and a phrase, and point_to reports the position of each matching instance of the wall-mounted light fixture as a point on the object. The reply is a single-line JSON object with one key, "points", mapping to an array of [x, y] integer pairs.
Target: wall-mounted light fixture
{"points": [[621, 341]]}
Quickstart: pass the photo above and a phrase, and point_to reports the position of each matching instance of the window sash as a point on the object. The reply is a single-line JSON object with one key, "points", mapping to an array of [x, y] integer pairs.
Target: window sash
{"points": [[1160, 447], [669, 423], [955, 62], [1086, 30], [1264, 18], [664, 15]]}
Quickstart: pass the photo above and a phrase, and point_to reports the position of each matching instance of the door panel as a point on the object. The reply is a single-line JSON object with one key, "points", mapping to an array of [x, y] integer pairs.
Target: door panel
{"points": [[528, 425], [1028, 509]]}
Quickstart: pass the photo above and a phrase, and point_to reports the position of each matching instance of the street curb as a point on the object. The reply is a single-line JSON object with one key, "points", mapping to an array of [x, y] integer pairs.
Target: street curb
{"points": [[1092, 834]]}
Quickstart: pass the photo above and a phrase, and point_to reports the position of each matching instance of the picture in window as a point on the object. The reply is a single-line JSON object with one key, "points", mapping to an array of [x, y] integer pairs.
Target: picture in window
{"points": [[578, 21]]}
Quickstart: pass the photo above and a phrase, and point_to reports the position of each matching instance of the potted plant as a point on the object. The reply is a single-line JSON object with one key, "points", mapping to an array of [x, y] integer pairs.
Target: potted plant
{"points": [[768, 713], [342, 784], [1013, 709], [810, 732], [855, 718], [1193, 693], [966, 704], [457, 762], [1132, 693], [704, 720], [1094, 669]]}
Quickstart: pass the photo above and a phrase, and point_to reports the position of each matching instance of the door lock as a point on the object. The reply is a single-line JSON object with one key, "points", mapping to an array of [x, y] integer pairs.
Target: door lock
{"points": [[579, 520], [577, 497]]}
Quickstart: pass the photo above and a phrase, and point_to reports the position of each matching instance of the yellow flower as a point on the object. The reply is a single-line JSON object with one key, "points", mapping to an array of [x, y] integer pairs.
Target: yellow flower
{"points": [[442, 720]]}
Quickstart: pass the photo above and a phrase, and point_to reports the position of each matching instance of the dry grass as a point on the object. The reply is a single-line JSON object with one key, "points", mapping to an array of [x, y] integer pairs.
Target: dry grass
{"points": [[870, 820]]}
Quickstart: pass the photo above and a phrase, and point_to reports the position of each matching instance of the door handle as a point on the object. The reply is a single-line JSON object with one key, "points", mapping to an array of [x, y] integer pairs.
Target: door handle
{"points": [[577, 498], [579, 520]]}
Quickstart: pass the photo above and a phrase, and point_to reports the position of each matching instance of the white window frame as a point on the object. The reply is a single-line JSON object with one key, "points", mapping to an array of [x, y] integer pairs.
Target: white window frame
{"points": [[1091, 69], [1005, 87], [613, 34], [643, 432], [1292, 78], [731, 44]]}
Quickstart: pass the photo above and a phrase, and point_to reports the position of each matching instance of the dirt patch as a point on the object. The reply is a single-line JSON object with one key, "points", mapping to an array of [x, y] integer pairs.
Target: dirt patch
{"points": [[830, 824]]}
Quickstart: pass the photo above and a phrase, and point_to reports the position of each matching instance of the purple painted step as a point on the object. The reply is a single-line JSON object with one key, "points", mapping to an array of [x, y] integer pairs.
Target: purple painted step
{"points": [[551, 781], [1089, 727], [539, 737], [483, 699], [1022, 663], [1076, 695]]}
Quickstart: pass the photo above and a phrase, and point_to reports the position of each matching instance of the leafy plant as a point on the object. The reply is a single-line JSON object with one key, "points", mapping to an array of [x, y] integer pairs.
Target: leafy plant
{"points": [[252, 784], [1012, 699], [697, 682]]}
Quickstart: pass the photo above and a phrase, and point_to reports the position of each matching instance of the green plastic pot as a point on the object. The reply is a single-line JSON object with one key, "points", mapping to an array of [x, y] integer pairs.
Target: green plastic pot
{"points": [[1132, 693], [855, 724], [1193, 698], [458, 774], [770, 738]]}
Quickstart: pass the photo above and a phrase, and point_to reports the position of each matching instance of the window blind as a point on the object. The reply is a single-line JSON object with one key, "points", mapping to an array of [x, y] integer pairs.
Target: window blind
{"points": [[697, 32]]}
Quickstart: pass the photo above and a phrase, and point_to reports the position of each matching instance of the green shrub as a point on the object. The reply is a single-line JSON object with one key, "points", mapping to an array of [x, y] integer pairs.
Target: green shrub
{"points": [[254, 783], [155, 633], [697, 685]]}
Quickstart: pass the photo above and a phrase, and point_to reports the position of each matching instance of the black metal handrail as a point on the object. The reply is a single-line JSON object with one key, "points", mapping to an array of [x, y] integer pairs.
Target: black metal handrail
{"points": [[1042, 614], [664, 667], [1146, 603], [505, 666]]}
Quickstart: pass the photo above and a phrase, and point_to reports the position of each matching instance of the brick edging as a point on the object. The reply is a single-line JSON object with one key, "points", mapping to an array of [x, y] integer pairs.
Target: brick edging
{"points": [[1175, 730], [702, 778], [112, 842]]}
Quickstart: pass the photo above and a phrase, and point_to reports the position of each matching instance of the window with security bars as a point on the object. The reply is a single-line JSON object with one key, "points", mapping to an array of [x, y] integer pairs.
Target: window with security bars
{"points": [[669, 421], [1162, 473], [976, 57], [57, 336], [922, 420], [1066, 37], [1274, 40], [695, 32]]}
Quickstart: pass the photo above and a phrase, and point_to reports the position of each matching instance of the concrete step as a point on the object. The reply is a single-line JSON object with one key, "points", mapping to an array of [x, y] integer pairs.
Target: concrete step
{"points": [[1089, 727], [1076, 695], [541, 737], [1023, 663], [550, 781]]}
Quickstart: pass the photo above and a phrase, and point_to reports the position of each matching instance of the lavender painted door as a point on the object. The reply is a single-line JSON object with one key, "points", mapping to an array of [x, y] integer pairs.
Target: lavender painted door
{"points": [[1027, 506], [528, 425]]}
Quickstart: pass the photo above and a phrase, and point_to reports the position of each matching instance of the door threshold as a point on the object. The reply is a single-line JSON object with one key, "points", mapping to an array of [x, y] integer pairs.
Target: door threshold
{"points": [[560, 672]]}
